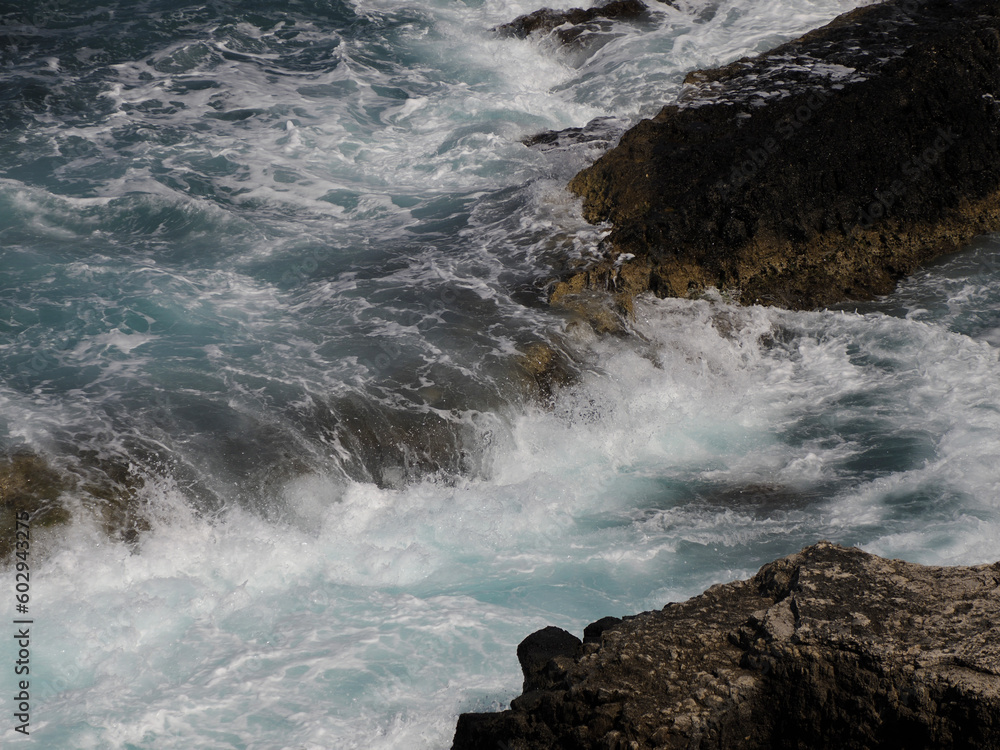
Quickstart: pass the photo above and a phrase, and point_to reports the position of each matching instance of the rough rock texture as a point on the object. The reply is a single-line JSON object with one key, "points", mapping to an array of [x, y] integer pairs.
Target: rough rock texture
{"points": [[828, 648], [820, 171]]}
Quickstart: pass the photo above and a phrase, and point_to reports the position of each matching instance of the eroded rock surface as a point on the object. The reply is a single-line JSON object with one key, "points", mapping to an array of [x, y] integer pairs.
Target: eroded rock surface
{"points": [[828, 648], [823, 170]]}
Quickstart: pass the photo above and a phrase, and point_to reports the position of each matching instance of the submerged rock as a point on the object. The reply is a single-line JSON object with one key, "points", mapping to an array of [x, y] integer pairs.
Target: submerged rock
{"points": [[828, 648], [104, 489], [823, 170], [29, 485]]}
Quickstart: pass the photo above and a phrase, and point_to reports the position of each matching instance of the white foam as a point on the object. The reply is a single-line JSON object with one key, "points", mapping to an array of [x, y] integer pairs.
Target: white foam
{"points": [[392, 607]]}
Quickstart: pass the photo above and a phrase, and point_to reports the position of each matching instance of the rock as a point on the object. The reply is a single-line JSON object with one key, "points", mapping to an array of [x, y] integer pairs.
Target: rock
{"points": [[112, 492], [576, 21], [104, 489], [821, 171], [599, 132], [592, 633], [538, 650], [393, 445], [545, 369], [828, 648], [29, 485]]}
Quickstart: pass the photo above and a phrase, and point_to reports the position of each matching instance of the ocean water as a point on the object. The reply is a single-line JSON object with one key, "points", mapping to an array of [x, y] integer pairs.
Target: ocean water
{"points": [[268, 269]]}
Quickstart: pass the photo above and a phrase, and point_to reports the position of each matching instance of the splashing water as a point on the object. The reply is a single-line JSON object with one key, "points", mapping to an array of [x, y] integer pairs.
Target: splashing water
{"points": [[277, 264]]}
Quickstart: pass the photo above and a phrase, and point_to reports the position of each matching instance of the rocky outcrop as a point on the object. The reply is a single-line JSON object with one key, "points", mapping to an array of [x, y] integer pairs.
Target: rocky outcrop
{"points": [[823, 170], [828, 648]]}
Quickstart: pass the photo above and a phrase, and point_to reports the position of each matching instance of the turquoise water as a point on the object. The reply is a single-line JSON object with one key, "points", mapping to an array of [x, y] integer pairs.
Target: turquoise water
{"points": [[275, 261]]}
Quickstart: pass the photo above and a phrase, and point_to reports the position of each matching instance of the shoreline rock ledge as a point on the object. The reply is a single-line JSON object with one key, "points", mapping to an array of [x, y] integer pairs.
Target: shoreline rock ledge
{"points": [[821, 171], [828, 648]]}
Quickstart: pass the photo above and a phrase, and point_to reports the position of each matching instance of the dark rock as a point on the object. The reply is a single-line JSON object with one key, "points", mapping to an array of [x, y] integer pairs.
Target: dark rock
{"points": [[536, 652], [570, 25], [394, 445], [823, 170], [828, 648], [593, 632], [600, 131]]}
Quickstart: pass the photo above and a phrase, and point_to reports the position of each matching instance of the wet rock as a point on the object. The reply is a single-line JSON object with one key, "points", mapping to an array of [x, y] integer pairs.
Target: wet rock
{"points": [[395, 445], [111, 491], [546, 369], [570, 25], [103, 489], [600, 131], [828, 648], [603, 312], [28, 484], [823, 170]]}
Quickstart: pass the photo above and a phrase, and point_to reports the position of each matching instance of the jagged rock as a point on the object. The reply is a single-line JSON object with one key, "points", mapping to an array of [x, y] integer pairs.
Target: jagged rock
{"points": [[592, 633], [577, 21], [828, 648], [823, 170]]}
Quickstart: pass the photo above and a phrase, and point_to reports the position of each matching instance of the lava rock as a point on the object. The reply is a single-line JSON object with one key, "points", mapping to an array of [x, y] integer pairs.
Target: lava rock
{"points": [[828, 648], [823, 170]]}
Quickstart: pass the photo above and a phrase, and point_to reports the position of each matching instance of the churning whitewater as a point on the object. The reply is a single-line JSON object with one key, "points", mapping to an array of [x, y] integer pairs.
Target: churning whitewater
{"points": [[269, 270]]}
